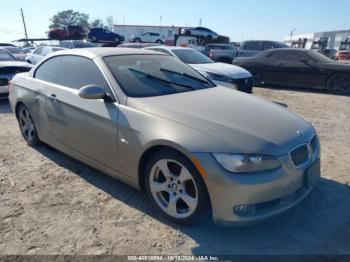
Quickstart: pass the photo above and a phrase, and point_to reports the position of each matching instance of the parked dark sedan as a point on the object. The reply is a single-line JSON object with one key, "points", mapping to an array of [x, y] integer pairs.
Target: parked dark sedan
{"points": [[297, 68]]}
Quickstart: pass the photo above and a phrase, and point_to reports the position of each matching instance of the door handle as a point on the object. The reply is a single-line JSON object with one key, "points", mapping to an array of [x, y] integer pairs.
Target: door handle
{"points": [[53, 96]]}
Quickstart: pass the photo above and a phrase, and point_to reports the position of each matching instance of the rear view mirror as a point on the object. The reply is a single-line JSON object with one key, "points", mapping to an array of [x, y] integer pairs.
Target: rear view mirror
{"points": [[92, 92]]}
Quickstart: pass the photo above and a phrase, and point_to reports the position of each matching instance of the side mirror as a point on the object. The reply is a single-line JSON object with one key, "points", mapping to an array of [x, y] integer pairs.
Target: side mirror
{"points": [[304, 61], [92, 92]]}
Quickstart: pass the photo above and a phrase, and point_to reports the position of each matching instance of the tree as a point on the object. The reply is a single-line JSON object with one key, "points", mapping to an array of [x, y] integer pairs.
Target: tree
{"points": [[110, 22], [69, 17], [97, 23]]}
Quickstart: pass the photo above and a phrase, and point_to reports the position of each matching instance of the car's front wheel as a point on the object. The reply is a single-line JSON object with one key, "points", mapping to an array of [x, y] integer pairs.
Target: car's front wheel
{"points": [[26, 125], [339, 83], [159, 41], [175, 187], [137, 40], [257, 77]]}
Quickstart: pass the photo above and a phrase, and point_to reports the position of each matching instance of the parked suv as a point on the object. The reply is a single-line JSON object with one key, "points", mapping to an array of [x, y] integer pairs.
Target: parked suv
{"points": [[148, 37], [104, 35], [253, 47], [224, 53], [67, 32]]}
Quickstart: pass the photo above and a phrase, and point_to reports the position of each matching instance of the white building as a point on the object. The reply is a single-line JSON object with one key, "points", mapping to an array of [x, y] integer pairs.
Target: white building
{"points": [[167, 31], [334, 38]]}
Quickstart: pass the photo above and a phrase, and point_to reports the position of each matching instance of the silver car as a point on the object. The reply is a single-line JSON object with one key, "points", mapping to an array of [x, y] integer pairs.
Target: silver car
{"points": [[155, 123], [40, 52], [231, 76]]}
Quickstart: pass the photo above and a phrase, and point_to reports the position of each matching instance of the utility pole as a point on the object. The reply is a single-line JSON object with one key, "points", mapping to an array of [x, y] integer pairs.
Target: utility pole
{"points": [[200, 22], [291, 36], [24, 25]]}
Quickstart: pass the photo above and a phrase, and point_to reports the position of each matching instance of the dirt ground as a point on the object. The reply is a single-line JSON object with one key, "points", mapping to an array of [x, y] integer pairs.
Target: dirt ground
{"points": [[51, 204]]}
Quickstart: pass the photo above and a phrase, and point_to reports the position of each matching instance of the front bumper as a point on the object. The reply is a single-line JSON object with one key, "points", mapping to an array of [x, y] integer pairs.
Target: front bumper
{"points": [[4, 91], [241, 84], [264, 194]]}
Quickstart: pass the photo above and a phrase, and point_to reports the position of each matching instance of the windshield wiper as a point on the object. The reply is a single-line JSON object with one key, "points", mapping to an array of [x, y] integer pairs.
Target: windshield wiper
{"points": [[161, 79], [184, 74]]}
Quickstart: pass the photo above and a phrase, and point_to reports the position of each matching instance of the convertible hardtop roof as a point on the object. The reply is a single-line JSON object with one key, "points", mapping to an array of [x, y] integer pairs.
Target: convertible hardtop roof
{"points": [[104, 51]]}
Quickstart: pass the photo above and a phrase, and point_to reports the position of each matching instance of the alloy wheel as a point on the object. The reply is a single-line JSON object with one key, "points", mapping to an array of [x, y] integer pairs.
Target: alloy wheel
{"points": [[173, 188], [26, 125], [339, 83]]}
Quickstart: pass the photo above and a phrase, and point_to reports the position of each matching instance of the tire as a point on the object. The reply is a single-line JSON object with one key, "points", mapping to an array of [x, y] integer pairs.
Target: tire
{"points": [[159, 41], [137, 40], [182, 199], [27, 126], [339, 83], [257, 77]]}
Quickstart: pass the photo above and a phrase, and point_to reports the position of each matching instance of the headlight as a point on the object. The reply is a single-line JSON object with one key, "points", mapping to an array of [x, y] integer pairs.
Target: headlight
{"points": [[242, 163], [217, 77]]}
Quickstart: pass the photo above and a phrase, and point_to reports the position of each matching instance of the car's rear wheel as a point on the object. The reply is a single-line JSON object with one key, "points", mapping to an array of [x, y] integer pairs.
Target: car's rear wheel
{"points": [[27, 126], [175, 187], [339, 83], [159, 41], [137, 40]]}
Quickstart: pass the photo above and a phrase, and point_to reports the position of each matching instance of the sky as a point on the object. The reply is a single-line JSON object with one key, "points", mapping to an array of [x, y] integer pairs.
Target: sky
{"points": [[238, 19]]}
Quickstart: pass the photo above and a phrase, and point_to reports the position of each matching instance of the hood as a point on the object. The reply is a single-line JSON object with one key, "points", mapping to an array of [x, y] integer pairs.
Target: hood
{"points": [[15, 64], [242, 123], [223, 69]]}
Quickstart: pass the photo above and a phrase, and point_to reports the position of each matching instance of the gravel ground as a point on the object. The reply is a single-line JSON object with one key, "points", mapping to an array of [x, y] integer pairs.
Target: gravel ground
{"points": [[52, 204]]}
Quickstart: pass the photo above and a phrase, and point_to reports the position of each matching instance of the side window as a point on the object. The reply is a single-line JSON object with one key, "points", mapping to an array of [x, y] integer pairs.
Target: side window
{"points": [[274, 56], [267, 45], [76, 72], [252, 45], [48, 71], [292, 57], [38, 51], [71, 71]]}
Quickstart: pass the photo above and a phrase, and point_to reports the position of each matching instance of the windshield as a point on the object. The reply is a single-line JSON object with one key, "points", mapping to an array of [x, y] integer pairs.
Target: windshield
{"points": [[154, 75], [319, 58], [190, 56], [14, 50], [6, 56]]}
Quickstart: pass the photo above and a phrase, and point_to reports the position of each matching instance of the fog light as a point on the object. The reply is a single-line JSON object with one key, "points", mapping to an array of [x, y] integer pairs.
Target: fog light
{"points": [[244, 210]]}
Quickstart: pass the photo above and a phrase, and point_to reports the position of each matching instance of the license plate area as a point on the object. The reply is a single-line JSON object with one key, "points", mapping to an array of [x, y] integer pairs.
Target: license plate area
{"points": [[312, 174]]}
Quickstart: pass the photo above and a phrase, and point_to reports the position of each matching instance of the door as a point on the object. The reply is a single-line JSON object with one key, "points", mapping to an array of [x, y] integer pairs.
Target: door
{"points": [[295, 67], [146, 37], [88, 127]]}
